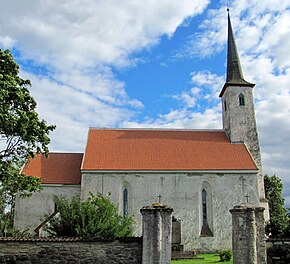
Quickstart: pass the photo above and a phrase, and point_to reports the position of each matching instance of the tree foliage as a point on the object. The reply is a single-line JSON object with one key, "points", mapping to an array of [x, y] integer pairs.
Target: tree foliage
{"points": [[96, 217], [22, 134], [279, 220], [225, 255], [13, 182], [21, 130]]}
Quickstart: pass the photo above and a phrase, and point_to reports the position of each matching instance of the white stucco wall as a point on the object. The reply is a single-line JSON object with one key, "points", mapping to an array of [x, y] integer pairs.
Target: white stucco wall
{"points": [[182, 191], [30, 212]]}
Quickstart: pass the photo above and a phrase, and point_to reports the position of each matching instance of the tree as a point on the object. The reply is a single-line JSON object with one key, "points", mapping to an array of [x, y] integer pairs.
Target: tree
{"points": [[279, 219], [22, 133], [96, 217]]}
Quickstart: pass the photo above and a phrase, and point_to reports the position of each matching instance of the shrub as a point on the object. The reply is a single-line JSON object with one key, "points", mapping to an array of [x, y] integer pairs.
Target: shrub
{"points": [[96, 217], [225, 255]]}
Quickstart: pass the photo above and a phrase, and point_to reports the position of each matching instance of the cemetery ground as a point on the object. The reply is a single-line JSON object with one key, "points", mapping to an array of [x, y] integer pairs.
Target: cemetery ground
{"points": [[207, 258]]}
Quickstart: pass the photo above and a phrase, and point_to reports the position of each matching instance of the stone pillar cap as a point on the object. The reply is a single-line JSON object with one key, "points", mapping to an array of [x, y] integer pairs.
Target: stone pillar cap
{"points": [[246, 207], [157, 207]]}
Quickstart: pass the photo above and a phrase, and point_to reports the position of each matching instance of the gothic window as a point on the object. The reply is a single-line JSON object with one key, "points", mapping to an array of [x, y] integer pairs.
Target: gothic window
{"points": [[225, 104], [125, 199], [125, 202], [241, 99], [206, 211]]}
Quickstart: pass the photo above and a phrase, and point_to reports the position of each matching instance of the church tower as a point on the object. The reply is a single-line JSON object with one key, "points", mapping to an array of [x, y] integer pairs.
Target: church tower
{"points": [[238, 111]]}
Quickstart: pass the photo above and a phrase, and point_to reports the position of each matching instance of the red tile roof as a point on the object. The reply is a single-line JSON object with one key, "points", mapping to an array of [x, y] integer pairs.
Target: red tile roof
{"points": [[163, 150], [58, 168]]}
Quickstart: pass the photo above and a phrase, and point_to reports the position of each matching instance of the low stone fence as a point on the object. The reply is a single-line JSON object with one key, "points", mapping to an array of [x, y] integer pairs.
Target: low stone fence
{"points": [[153, 247], [278, 251], [49, 250]]}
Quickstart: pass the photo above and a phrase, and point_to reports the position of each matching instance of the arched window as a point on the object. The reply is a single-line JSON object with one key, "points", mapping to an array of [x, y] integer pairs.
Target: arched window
{"points": [[241, 99], [125, 199], [206, 211], [125, 202]]}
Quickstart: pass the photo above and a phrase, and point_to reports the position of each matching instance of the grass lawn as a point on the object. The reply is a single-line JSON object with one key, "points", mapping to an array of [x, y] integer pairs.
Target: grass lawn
{"points": [[208, 258]]}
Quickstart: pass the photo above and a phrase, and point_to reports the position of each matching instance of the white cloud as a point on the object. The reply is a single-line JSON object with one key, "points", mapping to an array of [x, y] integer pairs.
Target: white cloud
{"points": [[83, 33], [186, 98], [207, 86], [276, 40], [256, 23], [73, 111], [7, 42], [183, 118], [99, 83], [210, 82]]}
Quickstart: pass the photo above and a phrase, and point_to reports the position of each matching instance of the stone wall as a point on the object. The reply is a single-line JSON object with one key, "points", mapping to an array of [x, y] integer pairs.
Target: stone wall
{"points": [[157, 231], [70, 251], [249, 245], [278, 251]]}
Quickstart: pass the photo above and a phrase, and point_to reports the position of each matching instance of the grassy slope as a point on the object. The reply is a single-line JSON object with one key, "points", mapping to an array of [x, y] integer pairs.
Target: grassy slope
{"points": [[208, 258]]}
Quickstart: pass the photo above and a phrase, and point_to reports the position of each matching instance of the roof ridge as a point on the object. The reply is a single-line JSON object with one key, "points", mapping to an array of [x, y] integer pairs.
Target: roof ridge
{"points": [[159, 129], [63, 152]]}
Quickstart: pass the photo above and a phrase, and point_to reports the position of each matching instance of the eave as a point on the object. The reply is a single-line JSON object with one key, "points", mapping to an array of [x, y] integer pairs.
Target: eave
{"points": [[169, 171]]}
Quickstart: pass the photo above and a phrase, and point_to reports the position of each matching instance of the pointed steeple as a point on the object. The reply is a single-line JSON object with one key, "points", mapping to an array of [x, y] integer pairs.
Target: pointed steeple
{"points": [[234, 69]]}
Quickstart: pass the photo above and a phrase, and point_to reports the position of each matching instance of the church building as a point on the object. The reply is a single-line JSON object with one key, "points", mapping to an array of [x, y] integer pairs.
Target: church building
{"points": [[201, 174]]}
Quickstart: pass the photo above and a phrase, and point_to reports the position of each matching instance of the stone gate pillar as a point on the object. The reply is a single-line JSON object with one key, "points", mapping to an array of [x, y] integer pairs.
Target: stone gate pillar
{"points": [[248, 235], [156, 232]]}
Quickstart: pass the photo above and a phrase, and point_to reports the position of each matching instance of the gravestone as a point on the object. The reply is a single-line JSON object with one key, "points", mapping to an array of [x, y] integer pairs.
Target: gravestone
{"points": [[176, 236]]}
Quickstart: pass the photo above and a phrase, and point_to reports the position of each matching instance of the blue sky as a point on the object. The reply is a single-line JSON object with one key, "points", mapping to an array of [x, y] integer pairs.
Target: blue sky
{"points": [[151, 64]]}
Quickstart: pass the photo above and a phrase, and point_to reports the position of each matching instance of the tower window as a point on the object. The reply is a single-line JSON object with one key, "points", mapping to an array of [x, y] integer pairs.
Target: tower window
{"points": [[225, 104], [241, 99]]}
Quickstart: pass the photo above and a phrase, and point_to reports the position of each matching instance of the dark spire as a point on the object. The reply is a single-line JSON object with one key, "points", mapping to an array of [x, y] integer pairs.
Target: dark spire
{"points": [[234, 69]]}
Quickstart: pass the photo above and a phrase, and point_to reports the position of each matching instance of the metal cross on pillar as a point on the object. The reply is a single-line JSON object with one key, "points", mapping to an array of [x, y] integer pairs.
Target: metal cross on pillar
{"points": [[247, 197], [159, 198]]}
